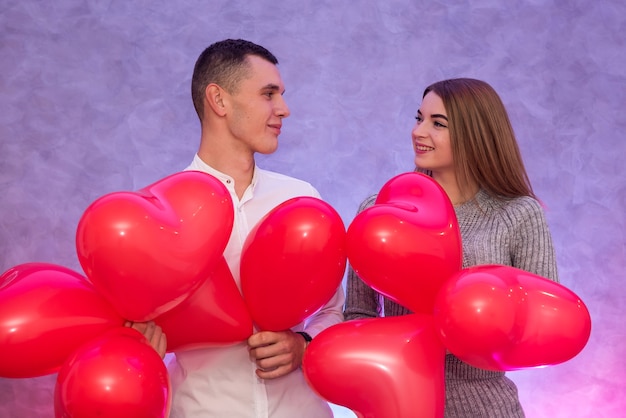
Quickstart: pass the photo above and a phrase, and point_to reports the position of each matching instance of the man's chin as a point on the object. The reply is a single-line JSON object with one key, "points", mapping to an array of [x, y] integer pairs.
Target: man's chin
{"points": [[268, 150]]}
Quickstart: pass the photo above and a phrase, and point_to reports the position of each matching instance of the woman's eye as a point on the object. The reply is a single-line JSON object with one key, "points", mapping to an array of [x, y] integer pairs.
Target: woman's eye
{"points": [[439, 125], [418, 118]]}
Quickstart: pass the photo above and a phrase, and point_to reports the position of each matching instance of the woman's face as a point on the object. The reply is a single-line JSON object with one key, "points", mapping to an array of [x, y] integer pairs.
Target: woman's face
{"points": [[431, 137]]}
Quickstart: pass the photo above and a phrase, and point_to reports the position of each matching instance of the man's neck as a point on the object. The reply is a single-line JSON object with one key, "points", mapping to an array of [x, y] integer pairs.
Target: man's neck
{"points": [[228, 156], [241, 169]]}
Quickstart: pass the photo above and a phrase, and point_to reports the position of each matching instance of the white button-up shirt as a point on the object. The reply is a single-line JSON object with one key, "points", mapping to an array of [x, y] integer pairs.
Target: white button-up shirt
{"points": [[221, 382]]}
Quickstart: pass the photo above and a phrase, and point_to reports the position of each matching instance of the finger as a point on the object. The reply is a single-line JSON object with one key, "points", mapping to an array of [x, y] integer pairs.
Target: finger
{"points": [[265, 352], [162, 347], [139, 326], [271, 363], [273, 373], [153, 333], [278, 347], [264, 338]]}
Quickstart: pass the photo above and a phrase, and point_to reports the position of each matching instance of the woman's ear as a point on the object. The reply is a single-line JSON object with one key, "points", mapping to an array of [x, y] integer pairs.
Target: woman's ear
{"points": [[214, 96]]}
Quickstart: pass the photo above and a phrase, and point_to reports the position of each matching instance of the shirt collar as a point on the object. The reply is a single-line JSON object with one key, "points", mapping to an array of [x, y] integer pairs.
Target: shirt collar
{"points": [[228, 181]]}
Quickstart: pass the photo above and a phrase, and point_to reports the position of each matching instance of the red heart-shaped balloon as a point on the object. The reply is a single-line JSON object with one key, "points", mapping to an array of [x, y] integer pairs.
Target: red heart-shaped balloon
{"points": [[380, 367], [146, 251], [503, 318], [215, 314], [292, 262], [408, 243], [117, 375], [47, 312]]}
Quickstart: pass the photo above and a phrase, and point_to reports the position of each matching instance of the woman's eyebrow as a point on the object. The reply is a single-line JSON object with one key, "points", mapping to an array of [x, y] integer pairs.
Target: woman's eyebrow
{"points": [[434, 115]]}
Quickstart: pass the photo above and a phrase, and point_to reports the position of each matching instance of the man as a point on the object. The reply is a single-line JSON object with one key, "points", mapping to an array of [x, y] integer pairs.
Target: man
{"points": [[237, 91]]}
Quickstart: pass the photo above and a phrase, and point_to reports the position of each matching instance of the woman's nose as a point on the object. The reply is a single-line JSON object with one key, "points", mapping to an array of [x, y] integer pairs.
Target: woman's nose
{"points": [[416, 131]]}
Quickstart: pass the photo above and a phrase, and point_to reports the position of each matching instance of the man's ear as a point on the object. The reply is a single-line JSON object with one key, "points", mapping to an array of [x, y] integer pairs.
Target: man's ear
{"points": [[214, 96]]}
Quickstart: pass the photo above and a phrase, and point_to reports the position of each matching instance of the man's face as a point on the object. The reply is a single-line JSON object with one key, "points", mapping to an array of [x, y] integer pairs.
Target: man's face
{"points": [[256, 111]]}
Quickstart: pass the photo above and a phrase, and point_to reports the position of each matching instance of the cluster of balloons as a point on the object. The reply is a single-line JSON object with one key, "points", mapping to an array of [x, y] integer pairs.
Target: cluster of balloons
{"points": [[157, 254], [407, 246]]}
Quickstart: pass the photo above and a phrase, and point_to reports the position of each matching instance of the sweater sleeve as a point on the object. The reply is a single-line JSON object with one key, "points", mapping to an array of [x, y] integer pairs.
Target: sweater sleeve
{"points": [[532, 248], [361, 300]]}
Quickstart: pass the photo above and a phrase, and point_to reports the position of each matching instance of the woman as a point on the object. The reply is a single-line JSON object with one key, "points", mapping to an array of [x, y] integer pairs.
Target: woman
{"points": [[463, 139]]}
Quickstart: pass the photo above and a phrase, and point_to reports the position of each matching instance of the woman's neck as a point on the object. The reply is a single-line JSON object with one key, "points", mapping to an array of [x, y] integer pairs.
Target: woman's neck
{"points": [[451, 186]]}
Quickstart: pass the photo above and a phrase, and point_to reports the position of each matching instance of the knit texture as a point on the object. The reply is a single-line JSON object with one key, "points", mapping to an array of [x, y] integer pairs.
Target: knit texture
{"points": [[511, 232]]}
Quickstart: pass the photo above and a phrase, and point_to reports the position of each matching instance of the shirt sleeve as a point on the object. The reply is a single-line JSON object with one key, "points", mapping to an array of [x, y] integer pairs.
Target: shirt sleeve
{"points": [[331, 313]]}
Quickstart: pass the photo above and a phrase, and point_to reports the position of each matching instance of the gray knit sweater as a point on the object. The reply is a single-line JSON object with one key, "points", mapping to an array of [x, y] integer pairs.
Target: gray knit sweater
{"points": [[511, 232]]}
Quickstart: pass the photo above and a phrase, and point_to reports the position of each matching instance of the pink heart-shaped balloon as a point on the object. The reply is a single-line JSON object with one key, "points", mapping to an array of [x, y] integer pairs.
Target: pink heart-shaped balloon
{"points": [[408, 243], [215, 314], [503, 318], [292, 262], [146, 251], [46, 312], [380, 367]]}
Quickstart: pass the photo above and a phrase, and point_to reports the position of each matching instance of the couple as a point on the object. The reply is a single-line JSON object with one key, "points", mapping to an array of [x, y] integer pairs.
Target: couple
{"points": [[462, 138]]}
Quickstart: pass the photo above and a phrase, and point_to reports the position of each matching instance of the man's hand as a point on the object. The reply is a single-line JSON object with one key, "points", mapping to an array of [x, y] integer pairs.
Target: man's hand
{"points": [[276, 353], [153, 333]]}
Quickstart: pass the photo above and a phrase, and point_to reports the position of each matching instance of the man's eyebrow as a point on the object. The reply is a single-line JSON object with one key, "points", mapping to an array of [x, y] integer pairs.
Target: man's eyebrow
{"points": [[271, 86]]}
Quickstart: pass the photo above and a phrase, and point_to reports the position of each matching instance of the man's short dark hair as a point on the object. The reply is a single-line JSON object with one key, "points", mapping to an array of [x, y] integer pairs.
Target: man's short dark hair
{"points": [[224, 63]]}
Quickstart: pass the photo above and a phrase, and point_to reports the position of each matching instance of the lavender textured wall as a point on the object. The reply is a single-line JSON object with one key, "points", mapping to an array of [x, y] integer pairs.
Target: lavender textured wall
{"points": [[94, 98]]}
